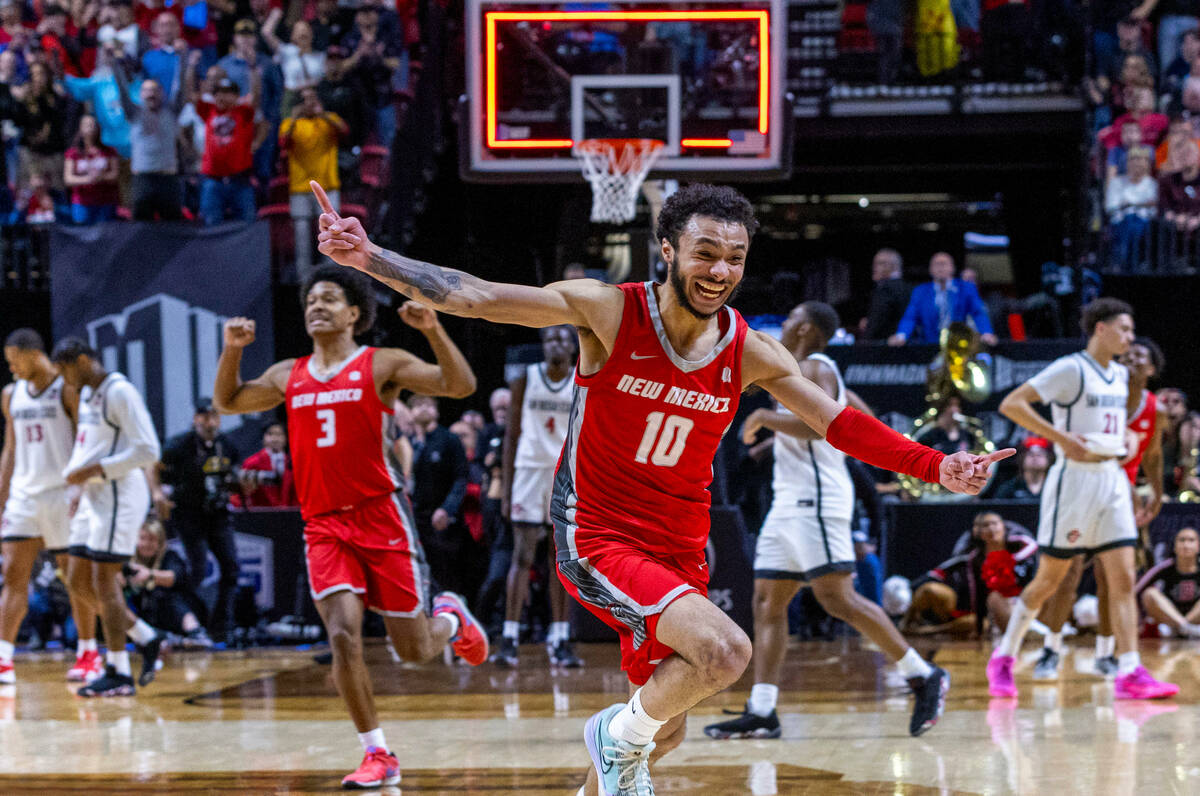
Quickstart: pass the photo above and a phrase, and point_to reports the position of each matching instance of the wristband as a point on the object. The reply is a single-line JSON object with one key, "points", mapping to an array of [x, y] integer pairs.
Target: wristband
{"points": [[870, 441]]}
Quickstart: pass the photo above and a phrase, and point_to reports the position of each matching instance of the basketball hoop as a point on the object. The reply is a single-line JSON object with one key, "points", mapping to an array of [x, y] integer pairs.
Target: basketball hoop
{"points": [[616, 167]]}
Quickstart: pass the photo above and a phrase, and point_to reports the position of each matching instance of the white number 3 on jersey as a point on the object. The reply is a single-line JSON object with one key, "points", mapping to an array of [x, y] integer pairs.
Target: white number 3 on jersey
{"points": [[328, 428]]}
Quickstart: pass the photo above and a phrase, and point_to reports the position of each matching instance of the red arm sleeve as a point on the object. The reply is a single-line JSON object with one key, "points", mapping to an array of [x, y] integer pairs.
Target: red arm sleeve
{"points": [[870, 441]]}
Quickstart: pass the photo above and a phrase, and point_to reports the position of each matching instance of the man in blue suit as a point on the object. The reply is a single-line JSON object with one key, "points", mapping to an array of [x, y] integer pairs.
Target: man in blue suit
{"points": [[934, 305]]}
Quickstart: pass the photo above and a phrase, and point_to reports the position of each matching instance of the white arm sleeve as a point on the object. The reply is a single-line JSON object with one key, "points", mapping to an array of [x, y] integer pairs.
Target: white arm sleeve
{"points": [[1060, 382], [126, 407]]}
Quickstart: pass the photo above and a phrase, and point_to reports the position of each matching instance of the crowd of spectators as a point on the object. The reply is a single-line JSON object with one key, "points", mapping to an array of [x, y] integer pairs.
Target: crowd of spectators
{"points": [[196, 109], [1144, 91]]}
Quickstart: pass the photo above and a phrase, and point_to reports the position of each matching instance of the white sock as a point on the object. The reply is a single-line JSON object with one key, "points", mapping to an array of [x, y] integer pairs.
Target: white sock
{"points": [[85, 645], [452, 618], [119, 661], [141, 633], [6, 651], [1014, 634], [560, 631], [1053, 642], [633, 725], [512, 630], [372, 739], [1127, 662], [763, 698], [913, 665], [1105, 646]]}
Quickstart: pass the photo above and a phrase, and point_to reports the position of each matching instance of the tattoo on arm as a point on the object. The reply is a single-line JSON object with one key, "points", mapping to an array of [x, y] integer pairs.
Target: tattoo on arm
{"points": [[430, 281]]}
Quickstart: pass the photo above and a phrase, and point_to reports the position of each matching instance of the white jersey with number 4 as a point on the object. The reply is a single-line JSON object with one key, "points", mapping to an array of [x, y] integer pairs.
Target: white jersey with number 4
{"points": [[43, 434], [545, 412], [1084, 398], [810, 475]]}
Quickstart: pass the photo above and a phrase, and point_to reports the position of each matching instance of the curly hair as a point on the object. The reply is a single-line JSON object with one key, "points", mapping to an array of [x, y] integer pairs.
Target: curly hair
{"points": [[701, 199], [1156, 354], [356, 287]]}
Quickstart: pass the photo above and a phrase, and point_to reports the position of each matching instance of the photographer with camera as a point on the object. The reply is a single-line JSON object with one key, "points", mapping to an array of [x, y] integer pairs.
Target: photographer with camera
{"points": [[201, 468]]}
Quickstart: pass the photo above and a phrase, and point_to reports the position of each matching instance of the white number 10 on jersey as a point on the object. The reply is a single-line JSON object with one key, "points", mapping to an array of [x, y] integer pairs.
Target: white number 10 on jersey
{"points": [[671, 434]]}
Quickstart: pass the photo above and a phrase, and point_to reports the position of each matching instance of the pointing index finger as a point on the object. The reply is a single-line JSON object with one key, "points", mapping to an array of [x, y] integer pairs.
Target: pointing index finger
{"points": [[997, 456], [322, 198]]}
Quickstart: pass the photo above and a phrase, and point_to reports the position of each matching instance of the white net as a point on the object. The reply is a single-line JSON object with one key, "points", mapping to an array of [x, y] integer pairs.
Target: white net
{"points": [[616, 167]]}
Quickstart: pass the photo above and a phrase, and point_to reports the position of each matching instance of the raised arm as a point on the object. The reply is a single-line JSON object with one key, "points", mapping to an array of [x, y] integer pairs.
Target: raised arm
{"points": [[583, 303], [771, 366], [118, 69], [449, 375], [231, 395]]}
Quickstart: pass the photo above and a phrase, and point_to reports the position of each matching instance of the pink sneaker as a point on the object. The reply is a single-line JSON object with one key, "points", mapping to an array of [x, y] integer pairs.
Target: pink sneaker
{"points": [[1139, 684], [1000, 676], [379, 767]]}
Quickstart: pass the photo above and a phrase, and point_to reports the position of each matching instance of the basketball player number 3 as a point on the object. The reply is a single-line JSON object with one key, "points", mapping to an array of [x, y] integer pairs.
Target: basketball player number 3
{"points": [[328, 428], [671, 433]]}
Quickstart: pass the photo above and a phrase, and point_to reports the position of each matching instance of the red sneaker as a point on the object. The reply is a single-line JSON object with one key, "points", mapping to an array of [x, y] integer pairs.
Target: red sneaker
{"points": [[379, 767], [1139, 684], [88, 667], [471, 643], [7, 675]]}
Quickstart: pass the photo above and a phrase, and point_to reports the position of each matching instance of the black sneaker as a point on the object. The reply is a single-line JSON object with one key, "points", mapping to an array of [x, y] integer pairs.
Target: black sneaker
{"points": [[149, 652], [1047, 665], [506, 654], [929, 700], [563, 655], [108, 685], [746, 725], [1107, 666]]}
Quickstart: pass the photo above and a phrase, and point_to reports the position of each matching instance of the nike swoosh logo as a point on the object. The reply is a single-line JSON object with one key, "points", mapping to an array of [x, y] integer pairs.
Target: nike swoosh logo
{"points": [[647, 356], [397, 540]]}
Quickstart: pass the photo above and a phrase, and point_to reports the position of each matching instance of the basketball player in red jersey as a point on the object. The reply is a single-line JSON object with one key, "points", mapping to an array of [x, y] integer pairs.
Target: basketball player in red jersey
{"points": [[660, 371], [360, 539], [1145, 361]]}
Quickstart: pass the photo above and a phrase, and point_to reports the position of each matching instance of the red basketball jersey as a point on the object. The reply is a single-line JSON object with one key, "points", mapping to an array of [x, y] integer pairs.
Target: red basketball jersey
{"points": [[337, 429], [637, 462], [1142, 423]]}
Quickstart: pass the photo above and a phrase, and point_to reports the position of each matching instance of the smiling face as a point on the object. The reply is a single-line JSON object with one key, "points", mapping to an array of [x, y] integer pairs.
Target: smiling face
{"points": [[148, 543], [707, 268], [1139, 362], [274, 438], [326, 310]]}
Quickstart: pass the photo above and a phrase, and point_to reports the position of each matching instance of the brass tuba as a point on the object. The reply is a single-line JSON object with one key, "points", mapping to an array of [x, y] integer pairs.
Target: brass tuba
{"points": [[955, 373]]}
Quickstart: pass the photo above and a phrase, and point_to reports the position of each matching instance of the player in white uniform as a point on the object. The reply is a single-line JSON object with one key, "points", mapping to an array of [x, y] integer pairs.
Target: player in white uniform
{"points": [[39, 413], [116, 440], [1086, 506], [806, 538], [533, 440]]}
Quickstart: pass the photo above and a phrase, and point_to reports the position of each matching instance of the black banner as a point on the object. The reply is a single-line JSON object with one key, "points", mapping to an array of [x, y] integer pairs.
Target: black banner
{"points": [[893, 379], [922, 535], [152, 298]]}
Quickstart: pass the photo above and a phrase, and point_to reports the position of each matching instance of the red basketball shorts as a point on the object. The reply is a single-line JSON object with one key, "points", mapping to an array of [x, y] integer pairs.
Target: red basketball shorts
{"points": [[628, 589], [371, 550]]}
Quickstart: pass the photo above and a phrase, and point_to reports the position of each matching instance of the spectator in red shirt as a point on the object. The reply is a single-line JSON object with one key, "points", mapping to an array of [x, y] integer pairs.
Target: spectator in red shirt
{"points": [[267, 475], [90, 171], [1140, 103], [72, 48], [231, 134]]}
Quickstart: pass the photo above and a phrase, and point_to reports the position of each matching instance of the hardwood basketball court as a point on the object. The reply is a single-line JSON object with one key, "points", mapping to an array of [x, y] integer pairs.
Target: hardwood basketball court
{"points": [[269, 721]]}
